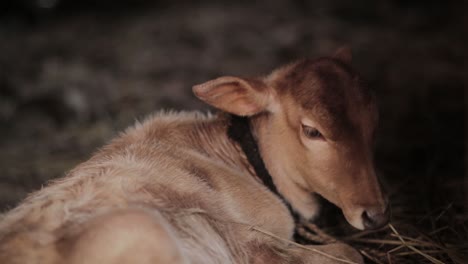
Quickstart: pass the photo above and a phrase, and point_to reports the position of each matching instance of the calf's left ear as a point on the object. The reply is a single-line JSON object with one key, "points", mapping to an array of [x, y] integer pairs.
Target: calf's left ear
{"points": [[239, 96]]}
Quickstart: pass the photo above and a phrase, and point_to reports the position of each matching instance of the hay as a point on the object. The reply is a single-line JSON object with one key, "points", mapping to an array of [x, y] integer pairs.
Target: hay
{"points": [[400, 242], [397, 242]]}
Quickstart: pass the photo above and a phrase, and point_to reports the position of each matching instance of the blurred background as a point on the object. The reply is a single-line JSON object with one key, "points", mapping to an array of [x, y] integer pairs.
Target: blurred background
{"points": [[75, 73]]}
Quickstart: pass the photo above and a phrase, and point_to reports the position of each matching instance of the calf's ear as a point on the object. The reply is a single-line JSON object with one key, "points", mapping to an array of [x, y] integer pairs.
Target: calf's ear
{"points": [[239, 96], [343, 54]]}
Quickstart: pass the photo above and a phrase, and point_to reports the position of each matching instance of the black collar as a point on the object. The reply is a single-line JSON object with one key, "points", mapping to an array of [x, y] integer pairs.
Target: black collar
{"points": [[239, 131]]}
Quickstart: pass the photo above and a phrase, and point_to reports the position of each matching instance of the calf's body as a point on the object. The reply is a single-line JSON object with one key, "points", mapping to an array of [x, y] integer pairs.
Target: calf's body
{"points": [[177, 189], [172, 189]]}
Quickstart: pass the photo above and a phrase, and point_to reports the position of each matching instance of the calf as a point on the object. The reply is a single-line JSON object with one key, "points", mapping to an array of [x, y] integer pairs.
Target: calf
{"points": [[195, 188]]}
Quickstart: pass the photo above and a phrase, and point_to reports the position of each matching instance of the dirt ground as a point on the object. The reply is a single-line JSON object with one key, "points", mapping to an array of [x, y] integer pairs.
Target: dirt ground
{"points": [[73, 76]]}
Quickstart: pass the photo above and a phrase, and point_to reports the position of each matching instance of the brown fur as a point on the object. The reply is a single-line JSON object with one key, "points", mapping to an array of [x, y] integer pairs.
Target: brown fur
{"points": [[175, 189]]}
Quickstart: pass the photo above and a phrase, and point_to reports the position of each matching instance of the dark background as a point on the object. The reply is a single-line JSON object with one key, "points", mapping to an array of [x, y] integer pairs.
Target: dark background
{"points": [[75, 73]]}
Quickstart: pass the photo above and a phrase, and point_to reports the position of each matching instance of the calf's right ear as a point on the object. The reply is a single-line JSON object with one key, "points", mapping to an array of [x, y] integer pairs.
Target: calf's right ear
{"points": [[343, 54], [239, 96]]}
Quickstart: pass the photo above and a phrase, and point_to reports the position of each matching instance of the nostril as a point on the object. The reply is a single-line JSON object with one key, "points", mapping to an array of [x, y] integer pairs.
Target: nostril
{"points": [[374, 219], [367, 220]]}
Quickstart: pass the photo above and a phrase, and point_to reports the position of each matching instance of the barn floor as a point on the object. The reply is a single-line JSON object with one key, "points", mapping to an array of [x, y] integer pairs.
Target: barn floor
{"points": [[73, 76]]}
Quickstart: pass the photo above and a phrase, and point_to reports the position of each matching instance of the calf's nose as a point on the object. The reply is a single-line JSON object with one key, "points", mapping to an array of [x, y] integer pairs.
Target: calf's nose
{"points": [[374, 218]]}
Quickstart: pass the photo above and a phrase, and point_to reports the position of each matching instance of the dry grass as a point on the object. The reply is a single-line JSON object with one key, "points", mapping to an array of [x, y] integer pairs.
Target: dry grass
{"points": [[397, 242], [403, 242]]}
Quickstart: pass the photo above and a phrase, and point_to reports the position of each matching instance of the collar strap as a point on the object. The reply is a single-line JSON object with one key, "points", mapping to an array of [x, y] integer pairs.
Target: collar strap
{"points": [[239, 131]]}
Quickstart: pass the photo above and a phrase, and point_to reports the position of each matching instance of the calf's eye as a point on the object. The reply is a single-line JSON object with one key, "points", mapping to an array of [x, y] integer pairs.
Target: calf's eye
{"points": [[311, 132]]}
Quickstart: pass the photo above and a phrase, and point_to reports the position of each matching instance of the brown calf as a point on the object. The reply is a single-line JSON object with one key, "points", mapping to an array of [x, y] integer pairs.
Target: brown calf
{"points": [[194, 188]]}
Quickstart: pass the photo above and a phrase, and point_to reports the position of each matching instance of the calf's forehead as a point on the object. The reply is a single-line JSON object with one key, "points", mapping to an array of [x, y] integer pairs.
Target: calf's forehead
{"points": [[331, 91]]}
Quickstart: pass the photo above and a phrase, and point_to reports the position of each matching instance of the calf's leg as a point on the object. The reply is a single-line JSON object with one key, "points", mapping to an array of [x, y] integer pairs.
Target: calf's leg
{"points": [[331, 254], [126, 236], [324, 254]]}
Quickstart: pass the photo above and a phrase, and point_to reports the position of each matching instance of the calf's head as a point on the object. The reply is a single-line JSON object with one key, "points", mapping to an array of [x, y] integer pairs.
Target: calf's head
{"points": [[314, 122]]}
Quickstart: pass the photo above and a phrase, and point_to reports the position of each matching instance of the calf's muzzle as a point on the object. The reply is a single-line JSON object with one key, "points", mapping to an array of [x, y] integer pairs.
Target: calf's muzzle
{"points": [[374, 217]]}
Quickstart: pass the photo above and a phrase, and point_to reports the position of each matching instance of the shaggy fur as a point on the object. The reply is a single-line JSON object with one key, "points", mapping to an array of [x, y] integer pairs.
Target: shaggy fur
{"points": [[176, 189]]}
